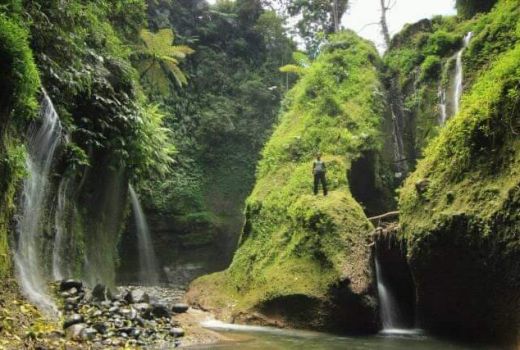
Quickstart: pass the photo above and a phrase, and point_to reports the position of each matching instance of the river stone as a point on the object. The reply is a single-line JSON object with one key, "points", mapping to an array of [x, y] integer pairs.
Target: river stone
{"points": [[130, 314], [100, 327], [88, 333], [180, 308], [101, 293], [69, 284], [136, 297], [177, 332], [72, 320], [74, 331], [113, 310], [72, 300], [160, 310]]}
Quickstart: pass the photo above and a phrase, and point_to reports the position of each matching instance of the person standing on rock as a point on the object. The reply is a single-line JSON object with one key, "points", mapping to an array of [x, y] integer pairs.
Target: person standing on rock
{"points": [[319, 170]]}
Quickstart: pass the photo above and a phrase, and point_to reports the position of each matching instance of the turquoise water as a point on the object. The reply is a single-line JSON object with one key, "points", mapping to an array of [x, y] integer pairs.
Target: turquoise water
{"points": [[256, 338]]}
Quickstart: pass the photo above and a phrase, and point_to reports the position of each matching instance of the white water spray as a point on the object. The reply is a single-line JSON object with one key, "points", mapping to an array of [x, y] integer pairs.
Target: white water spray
{"points": [[457, 87], [459, 74], [60, 247], [30, 265], [443, 106], [148, 267], [388, 305]]}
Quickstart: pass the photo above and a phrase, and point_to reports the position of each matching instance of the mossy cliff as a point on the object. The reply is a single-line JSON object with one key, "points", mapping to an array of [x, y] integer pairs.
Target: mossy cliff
{"points": [[19, 86], [460, 209], [304, 260]]}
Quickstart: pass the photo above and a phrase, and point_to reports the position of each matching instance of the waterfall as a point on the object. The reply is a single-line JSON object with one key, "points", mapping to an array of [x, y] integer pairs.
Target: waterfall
{"points": [[389, 310], [43, 140], [442, 106], [459, 74], [60, 223], [457, 86], [148, 267]]}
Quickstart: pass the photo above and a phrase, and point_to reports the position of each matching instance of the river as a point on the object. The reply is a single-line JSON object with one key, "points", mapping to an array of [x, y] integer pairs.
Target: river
{"points": [[263, 338]]}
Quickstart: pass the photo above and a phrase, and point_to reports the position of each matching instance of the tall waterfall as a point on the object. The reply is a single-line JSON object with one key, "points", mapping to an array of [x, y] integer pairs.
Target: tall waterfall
{"points": [[389, 310], [459, 74], [29, 254], [148, 267], [456, 88], [443, 106], [60, 239]]}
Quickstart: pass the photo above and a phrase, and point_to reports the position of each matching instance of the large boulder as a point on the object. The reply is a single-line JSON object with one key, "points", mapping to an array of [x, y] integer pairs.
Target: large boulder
{"points": [[303, 260]]}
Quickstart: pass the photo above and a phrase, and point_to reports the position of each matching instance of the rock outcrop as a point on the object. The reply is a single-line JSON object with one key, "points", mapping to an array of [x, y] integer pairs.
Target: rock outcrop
{"points": [[304, 260]]}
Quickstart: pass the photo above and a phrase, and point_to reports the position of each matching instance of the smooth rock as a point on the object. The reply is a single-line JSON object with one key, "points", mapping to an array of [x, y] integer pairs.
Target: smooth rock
{"points": [[72, 300], [74, 331], [160, 310], [69, 284], [100, 327], [88, 333], [101, 293], [72, 320], [136, 296], [180, 308], [177, 332], [114, 310], [130, 314]]}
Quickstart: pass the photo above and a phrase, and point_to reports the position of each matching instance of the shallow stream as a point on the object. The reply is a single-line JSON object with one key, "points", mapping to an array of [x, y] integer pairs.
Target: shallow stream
{"points": [[256, 338]]}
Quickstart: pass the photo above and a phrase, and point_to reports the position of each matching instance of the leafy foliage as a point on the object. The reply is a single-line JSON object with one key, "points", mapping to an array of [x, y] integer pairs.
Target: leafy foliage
{"points": [[469, 8], [160, 59]]}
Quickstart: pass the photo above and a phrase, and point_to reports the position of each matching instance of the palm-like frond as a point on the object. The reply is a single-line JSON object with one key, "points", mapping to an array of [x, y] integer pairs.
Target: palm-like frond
{"points": [[160, 59]]}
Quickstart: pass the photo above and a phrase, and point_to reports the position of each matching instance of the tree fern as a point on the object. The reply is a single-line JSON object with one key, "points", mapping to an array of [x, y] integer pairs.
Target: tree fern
{"points": [[159, 59]]}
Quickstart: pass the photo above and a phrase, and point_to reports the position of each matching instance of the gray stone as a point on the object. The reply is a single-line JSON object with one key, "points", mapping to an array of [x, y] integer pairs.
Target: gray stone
{"points": [[74, 331], [88, 333], [69, 284], [160, 310], [180, 308], [72, 320], [177, 332], [136, 296], [101, 293]]}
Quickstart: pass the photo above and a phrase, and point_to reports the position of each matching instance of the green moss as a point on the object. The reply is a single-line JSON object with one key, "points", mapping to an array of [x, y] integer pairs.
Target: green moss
{"points": [[19, 85], [430, 68], [476, 155], [293, 242], [20, 79]]}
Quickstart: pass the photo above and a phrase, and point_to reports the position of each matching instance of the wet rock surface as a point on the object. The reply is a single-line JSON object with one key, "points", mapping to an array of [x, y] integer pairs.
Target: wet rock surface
{"points": [[128, 316]]}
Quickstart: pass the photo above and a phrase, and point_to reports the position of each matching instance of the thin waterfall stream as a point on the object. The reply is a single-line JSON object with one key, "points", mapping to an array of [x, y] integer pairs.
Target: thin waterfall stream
{"points": [[459, 74], [457, 86], [148, 266], [389, 310], [43, 139]]}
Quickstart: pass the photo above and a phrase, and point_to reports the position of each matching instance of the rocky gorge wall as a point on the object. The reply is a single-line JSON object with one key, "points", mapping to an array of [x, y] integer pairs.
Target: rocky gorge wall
{"points": [[459, 209]]}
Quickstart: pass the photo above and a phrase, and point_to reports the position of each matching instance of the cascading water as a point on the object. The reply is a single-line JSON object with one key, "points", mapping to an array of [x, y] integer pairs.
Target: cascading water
{"points": [[442, 106], [389, 310], [42, 143], [457, 86], [148, 267], [459, 74], [60, 247]]}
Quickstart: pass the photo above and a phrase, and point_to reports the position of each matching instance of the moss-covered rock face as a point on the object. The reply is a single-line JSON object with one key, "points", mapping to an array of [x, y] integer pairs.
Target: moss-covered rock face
{"points": [[303, 260], [18, 86], [460, 209]]}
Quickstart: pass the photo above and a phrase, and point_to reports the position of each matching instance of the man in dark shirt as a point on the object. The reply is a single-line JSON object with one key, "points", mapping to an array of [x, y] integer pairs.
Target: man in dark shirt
{"points": [[319, 170]]}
